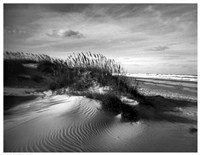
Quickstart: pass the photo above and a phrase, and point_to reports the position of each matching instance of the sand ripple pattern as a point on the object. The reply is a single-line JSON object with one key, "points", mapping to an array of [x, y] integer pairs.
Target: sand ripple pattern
{"points": [[89, 123]]}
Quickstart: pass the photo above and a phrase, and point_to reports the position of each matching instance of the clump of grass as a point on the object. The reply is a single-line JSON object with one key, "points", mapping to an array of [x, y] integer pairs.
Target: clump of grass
{"points": [[110, 102], [54, 86], [27, 57], [80, 72], [11, 69], [130, 113]]}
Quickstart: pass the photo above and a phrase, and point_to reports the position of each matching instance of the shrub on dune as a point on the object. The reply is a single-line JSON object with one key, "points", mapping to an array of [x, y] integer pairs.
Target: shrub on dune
{"points": [[80, 72], [110, 102], [129, 113], [113, 105]]}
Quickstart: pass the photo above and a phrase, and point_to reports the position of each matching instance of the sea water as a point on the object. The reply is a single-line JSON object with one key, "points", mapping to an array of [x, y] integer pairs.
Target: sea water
{"points": [[167, 85], [176, 77]]}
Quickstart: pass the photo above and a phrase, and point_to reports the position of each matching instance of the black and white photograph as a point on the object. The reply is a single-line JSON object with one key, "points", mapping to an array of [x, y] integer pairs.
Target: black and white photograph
{"points": [[100, 77]]}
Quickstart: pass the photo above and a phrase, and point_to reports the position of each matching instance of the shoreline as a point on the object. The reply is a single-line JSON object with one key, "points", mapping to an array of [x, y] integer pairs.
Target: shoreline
{"points": [[179, 90]]}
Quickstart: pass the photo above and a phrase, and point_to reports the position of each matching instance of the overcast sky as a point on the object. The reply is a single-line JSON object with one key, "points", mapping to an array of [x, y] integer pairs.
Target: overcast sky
{"points": [[144, 38]]}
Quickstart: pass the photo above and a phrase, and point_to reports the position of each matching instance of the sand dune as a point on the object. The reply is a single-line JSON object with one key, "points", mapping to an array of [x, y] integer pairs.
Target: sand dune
{"points": [[66, 126], [76, 124]]}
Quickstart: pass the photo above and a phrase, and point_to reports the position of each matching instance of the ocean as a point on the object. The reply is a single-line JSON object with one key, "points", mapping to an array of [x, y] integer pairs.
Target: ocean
{"points": [[176, 77], [168, 85]]}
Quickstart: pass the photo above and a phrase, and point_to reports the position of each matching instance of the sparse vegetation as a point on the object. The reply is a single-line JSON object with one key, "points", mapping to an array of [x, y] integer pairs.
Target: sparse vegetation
{"points": [[78, 73], [110, 102]]}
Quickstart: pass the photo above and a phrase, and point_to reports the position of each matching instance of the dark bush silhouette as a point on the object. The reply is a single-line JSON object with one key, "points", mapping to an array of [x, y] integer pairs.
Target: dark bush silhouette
{"points": [[110, 102], [129, 113], [79, 71]]}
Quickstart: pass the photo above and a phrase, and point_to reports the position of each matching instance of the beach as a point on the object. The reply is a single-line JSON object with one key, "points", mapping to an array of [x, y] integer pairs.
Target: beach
{"points": [[100, 77], [63, 123], [175, 89]]}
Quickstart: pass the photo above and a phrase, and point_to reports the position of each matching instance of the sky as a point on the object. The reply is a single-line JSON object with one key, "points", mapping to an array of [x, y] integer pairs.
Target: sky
{"points": [[143, 38]]}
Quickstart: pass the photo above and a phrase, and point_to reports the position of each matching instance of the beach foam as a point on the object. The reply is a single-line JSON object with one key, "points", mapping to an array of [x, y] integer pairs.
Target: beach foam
{"points": [[165, 76]]}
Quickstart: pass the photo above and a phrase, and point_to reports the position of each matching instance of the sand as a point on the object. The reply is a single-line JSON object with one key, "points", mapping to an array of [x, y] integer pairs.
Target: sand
{"points": [[186, 90], [77, 124]]}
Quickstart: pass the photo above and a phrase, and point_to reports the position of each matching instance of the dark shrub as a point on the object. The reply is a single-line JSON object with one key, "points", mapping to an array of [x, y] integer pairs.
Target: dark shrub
{"points": [[78, 72], [13, 67], [129, 113], [110, 103], [54, 86], [46, 67], [66, 79], [37, 78], [83, 82]]}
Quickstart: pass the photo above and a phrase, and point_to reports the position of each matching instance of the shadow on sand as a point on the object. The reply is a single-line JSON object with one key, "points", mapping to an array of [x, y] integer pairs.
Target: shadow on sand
{"points": [[158, 108], [12, 101]]}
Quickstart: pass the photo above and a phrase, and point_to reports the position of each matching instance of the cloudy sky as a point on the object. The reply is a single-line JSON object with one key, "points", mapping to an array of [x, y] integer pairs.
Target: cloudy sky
{"points": [[144, 38]]}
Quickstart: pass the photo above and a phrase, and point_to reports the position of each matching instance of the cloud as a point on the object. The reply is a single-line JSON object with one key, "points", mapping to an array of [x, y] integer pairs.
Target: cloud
{"points": [[60, 33], [159, 48], [129, 30]]}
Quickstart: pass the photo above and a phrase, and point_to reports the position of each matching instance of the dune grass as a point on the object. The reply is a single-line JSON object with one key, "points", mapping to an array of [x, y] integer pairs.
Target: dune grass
{"points": [[78, 73], [110, 102]]}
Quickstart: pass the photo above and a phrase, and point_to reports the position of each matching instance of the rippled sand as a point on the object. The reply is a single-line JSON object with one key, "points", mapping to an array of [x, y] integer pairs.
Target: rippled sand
{"points": [[75, 124]]}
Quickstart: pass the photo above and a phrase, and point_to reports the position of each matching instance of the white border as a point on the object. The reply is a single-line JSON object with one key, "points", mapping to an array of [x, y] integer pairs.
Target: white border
{"points": [[79, 1], [102, 1]]}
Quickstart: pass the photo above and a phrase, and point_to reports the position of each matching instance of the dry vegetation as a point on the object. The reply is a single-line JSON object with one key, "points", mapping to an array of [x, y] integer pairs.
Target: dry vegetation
{"points": [[77, 73], [80, 71]]}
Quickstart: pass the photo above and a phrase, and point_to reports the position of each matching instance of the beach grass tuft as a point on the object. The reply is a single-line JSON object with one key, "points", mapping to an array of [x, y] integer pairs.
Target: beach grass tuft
{"points": [[78, 73]]}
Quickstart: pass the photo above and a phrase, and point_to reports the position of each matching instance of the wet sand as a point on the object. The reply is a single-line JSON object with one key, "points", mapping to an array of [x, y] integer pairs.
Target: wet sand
{"points": [[182, 90], [76, 124]]}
